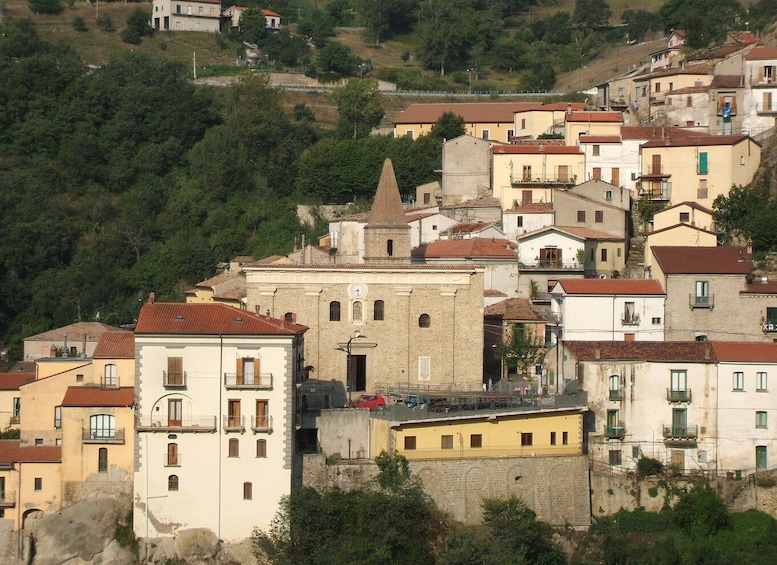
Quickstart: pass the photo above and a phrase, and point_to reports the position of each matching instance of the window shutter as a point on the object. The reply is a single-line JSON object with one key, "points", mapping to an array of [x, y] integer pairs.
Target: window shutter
{"points": [[239, 371], [256, 369], [703, 163]]}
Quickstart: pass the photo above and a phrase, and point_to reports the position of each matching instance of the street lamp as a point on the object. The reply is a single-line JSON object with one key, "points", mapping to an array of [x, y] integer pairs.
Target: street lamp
{"points": [[348, 371], [470, 80]]}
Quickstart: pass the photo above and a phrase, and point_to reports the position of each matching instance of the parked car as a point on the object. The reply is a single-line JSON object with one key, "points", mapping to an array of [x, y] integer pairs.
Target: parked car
{"points": [[415, 400], [371, 401]]}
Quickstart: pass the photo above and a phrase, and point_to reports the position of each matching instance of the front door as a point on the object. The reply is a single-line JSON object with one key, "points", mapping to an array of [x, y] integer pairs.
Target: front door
{"points": [[760, 457], [359, 372], [175, 412]]}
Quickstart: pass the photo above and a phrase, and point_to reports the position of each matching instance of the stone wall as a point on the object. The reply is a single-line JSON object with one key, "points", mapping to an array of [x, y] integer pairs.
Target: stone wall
{"points": [[556, 488], [75, 491]]}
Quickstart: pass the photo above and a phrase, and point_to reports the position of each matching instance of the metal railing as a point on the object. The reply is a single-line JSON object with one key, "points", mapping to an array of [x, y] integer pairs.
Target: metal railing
{"points": [[678, 395], [188, 424], [234, 423], [7, 499], [174, 380], [766, 108], [172, 460], [701, 301], [261, 423], [615, 432], [102, 436], [630, 320], [109, 383], [681, 433], [262, 381]]}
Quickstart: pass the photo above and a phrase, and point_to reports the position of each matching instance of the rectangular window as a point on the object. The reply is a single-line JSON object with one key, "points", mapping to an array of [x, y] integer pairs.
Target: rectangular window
{"points": [[761, 382], [446, 442], [608, 194], [234, 447], [596, 149], [409, 134], [655, 321], [174, 371], [552, 438], [526, 173], [702, 293], [565, 438], [476, 441], [177, 8], [485, 134], [233, 414], [615, 178], [739, 381], [689, 101], [519, 221], [604, 255], [38, 483], [599, 216], [79, 378], [261, 448], [761, 457], [658, 87], [527, 438], [57, 417], [616, 457], [703, 168], [334, 311], [102, 460], [597, 173], [38, 441], [760, 419], [523, 123], [629, 313], [409, 443], [424, 368], [510, 135], [702, 192], [685, 217], [581, 215], [247, 491]]}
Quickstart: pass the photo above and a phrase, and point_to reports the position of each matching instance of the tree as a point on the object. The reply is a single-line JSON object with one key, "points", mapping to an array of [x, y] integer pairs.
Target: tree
{"points": [[638, 22], [592, 13], [522, 351], [384, 18], [748, 212], [704, 21], [361, 108], [46, 6], [137, 27], [446, 31], [449, 126], [701, 513], [336, 58]]}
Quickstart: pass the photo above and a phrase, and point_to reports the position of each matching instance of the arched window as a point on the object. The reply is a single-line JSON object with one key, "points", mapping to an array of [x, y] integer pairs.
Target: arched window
{"points": [[377, 313], [102, 460], [111, 375], [172, 482], [288, 317], [424, 321], [334, 311], [357, 311], [102, 426], [390, 247]]}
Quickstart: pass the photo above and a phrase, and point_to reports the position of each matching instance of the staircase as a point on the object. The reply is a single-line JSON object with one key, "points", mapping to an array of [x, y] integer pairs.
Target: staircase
{"points": [[635, 261]]}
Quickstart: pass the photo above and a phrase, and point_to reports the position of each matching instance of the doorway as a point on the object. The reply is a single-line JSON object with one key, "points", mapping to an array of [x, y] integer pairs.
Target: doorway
{"points": [[359, 372]]}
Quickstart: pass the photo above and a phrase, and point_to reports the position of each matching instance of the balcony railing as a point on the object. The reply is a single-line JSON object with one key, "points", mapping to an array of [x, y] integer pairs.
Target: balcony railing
{"points": [[759, 80], [174, 380], [701, 301], [189, 424], [261, 424], [615, 432], [654, 171], [262, 381], [767, 108], [768, 326], [234, 423], [658, 190], [7, 499], [172, 459], [110, 382], [678, 395], [630, 320], [616, 395], [102, 436], [681, 434]]}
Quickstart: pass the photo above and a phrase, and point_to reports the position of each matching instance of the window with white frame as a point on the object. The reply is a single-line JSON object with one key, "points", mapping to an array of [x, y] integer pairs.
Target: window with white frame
{"points": [[102, 426], [57, 417], [760, 419], [111, 375], [739, 380], [761, 381]]}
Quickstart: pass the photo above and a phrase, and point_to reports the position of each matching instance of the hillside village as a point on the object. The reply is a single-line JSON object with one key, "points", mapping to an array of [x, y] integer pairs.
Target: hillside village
{"points": [[647, 338]]}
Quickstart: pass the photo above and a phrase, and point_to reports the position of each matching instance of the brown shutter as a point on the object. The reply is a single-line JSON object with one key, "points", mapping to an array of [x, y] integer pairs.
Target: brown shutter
{"points": [[239, 371], [256, 370]]}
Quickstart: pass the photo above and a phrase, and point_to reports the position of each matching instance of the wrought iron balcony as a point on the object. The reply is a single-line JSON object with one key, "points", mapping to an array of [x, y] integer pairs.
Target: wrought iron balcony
{"points": [[701, 301], [163, 424], [262, 381], [174, 380], [172, 459], [682, 435], [678, 395], [7, 499], [234, 423], [632, 320], [261, 424], [616, 394], [102, 436], [615, 432]]}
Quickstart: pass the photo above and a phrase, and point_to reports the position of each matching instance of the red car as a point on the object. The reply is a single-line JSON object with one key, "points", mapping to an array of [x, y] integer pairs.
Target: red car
{"points": [[371, 401]]}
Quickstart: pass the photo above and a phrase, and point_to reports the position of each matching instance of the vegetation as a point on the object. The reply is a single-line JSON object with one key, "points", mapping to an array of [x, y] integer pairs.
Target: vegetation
{"points": [[648, 467], [523, 351]]}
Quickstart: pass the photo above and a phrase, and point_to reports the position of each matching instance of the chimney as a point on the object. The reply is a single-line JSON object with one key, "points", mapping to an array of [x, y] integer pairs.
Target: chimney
{"points": [[258, 309], [569, 108], [597, 353], [151, 297]]}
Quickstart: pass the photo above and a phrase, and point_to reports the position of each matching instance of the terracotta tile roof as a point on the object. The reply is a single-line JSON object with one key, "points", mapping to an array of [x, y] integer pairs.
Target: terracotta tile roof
{"points": [[600, 139], [589, 233], [546, 208], [517, 309], [688, 90], [719, 52], [745, 351], [213, 281], [679, 351], [485, 202], [493, 292], [612, 286], [684, 226], [468, 227], [11, 451], [654, 132], [75, 332], [727, 260], [555, 107], [689, 204], [761, 54], [610, 117], [418, 216], [699, 139], [476, 248], [760, 287], [23, 367], [697, 69], [92, 396], [537, 150], [232, 294], [208, 319], [12, 381], [472, 112], [269, 13], [727, 81], [115, 345]]}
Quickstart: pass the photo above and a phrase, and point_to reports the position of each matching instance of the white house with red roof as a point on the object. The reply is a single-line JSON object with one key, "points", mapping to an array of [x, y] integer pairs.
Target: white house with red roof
{"points": [[215, 418], [608, 309], [186, 15], [526, 218], [760, 103]]}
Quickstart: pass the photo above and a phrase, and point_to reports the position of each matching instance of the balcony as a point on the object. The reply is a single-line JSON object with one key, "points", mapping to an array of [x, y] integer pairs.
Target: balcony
{"points": [[761, 80], [681, 435], [768, 326], [7, 499], [234, 424], [770, 108], [615, 432], [262, 381], [261, 424], [618, 103], [172, 459], [655, 189], [174, 380], [678, 395], [654, 171], [632, 320], [109, 382], [616, 395], [102, 436], [195, 424], [559, 177], [701, 301]]}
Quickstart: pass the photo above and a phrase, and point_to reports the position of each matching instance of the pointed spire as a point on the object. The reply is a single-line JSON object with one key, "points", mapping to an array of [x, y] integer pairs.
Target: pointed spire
{"points": [[387, 207]]}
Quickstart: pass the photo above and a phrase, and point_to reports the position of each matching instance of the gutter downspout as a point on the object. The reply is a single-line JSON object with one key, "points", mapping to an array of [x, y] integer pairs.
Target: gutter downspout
{"points": [[220, 459]]}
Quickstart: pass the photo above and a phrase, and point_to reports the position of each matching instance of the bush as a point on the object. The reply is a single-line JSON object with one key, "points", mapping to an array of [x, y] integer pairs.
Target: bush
{"points": [[701, 512], [648, 467], [79, 24], [105, 24], [137, 27], [131, 36], [46, 6]]}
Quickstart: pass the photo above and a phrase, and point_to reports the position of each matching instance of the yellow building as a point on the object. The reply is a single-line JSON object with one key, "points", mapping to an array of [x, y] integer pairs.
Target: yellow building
{"points": [[533, 122], [591, 123], [10, 397], [30, 481], [519, 432]]}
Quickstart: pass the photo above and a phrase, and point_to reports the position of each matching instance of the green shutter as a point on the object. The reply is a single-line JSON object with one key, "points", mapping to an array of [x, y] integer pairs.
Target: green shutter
{"points": [[703, 163]]}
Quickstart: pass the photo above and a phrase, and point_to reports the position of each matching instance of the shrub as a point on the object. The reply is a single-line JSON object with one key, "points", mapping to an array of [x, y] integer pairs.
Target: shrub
{"points": [[105, 24], [647, 467], [701, 512], [79, 24], [45, 6]]}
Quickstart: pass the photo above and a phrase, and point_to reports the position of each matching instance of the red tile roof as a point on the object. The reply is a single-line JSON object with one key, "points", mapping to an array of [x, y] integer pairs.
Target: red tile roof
{"points": [[472, 112], [92, 396], [612, 286], [493, 292], [269, 13], [11, 451], [537, 149], [556, 107], [75, 332], [545, 208], [208, 319], [469, 227], [12, 381], [745, 351], [688, 203], [762, 54], [233, 293], [589, 233], [115, 345], [600, 139], [760, 287], [610, 117], [699, 139], [697, 69], [728, 260], [517, 309], [654, 132], [213, 281], [727, 81], [475, 248], [678, 351]]}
